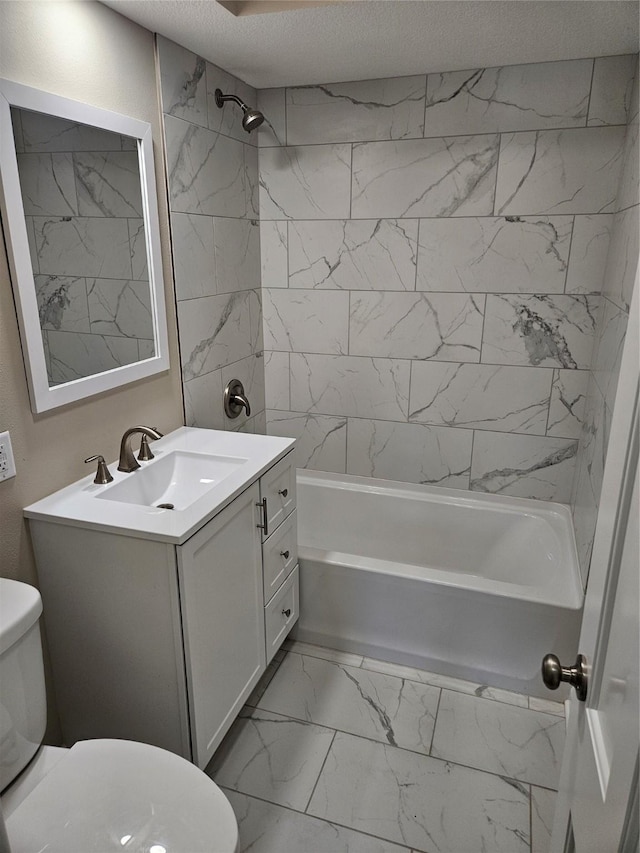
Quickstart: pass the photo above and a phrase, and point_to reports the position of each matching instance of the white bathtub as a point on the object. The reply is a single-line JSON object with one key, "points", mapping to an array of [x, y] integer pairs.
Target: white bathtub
{"points": [[473, 586]]}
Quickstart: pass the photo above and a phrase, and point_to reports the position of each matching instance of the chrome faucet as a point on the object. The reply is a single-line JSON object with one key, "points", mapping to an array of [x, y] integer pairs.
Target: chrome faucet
{"points": [[128, 461]]}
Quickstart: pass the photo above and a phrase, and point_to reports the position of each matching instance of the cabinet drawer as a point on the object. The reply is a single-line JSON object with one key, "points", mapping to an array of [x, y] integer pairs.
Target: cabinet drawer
{"points": [[281, 613], [279, 555], [278, 488]]}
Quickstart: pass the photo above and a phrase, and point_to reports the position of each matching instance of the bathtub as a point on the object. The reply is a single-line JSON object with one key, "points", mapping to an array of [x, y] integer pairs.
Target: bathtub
{"points": [[468, 585]]}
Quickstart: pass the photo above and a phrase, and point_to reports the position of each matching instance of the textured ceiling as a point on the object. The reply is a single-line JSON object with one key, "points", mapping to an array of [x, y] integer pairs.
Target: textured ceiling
{"points": [[387, 38]]}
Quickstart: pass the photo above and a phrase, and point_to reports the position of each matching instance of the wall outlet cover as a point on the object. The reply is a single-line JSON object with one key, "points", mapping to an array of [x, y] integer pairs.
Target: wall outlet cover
{"points": [[7, 462]]}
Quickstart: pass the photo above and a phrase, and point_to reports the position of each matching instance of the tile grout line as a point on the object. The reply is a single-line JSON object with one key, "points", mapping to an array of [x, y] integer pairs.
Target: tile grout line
{"points": [[323, 820], [383, 743], [335, 732], [435, 723], [427, 683]]}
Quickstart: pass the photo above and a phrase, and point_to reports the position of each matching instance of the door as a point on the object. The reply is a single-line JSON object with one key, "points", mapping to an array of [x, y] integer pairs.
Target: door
{"points": [[220, 570], [597, 798]]}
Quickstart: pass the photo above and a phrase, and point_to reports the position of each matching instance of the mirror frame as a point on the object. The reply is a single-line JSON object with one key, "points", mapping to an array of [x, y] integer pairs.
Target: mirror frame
{"points": [[43, 396]]}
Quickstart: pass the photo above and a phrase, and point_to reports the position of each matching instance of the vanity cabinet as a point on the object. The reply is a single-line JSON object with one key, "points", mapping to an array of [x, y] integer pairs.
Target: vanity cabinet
{"points": [[163, 643]]}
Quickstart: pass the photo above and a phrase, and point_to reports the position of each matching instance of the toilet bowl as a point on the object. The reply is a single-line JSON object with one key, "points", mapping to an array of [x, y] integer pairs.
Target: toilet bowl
{"points": [[102, 794]]}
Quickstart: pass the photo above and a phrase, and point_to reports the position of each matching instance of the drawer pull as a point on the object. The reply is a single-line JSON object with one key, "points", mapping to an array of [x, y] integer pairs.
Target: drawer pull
{"points": [[263, 506], [283, 492], [287, 612], [284, 554]]}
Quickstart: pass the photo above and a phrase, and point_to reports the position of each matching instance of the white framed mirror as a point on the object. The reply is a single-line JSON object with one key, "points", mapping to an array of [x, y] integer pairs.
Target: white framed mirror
{"points": [[80, 219]]}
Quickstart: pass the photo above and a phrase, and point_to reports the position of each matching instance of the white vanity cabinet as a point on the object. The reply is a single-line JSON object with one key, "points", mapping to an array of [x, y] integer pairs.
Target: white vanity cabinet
{"points": [[163, 642]]}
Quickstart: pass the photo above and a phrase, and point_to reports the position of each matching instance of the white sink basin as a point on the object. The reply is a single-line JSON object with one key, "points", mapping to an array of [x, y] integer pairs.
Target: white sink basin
{"points": [[173, 482]]}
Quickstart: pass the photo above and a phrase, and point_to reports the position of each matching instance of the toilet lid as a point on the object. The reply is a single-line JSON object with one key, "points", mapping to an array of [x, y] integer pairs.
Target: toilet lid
{"points": [[126, 796]]}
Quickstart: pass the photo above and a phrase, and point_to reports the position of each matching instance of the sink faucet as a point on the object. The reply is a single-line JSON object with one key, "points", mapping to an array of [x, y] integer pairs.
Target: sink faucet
{"points": [[128, 461]]}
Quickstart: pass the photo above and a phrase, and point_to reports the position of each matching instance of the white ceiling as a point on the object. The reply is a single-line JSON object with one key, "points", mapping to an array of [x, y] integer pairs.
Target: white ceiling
{"points": [[387, 38]]}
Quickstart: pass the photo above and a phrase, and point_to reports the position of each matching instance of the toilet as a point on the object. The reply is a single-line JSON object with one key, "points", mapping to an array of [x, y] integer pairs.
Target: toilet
{"points": [[100, 795]]}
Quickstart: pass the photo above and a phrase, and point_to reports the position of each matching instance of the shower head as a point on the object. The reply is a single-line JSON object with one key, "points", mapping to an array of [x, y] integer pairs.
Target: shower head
{"points": [[251, 118]]}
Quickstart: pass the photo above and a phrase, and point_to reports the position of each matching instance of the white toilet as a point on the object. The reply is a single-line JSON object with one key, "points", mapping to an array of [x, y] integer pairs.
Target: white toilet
{"points": [[100, 795]]}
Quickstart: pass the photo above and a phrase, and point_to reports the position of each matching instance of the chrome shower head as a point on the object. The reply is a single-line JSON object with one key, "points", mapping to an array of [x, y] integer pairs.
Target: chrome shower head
{"points": [[251, 118]]}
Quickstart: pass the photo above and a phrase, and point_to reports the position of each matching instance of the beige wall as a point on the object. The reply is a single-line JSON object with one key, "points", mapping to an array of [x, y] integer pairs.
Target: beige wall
{"points": [[87, 52]]}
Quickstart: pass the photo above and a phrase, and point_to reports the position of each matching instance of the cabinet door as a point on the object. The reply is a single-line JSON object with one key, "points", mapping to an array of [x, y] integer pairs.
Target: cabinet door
{"points": [[223, 620]]}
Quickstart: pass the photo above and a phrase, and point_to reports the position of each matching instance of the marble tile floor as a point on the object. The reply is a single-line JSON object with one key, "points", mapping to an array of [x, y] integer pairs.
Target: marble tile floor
{"points": [[339, 753]]}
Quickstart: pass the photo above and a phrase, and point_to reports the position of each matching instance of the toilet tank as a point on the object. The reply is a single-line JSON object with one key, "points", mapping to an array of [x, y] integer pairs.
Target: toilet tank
{"points": [[23, 703]]}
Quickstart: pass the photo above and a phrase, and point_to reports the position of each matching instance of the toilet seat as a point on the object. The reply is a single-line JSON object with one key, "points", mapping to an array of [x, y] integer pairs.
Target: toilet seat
{"points": [[126, 796]]}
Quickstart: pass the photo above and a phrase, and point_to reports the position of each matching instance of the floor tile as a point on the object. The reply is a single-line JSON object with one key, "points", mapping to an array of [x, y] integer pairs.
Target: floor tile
{"points": [[382, 707], [421, 802], [543, 806], [545, 705], [322, 652], [446, 682], [514, 742], [264, 682], [271, 757], [266, 828]]}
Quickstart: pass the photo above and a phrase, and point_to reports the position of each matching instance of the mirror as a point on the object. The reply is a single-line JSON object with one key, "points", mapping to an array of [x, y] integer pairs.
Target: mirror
{"points": [[81, 226]]}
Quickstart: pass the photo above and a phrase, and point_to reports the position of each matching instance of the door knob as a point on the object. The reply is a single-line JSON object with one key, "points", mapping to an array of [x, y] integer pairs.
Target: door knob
{"points": [[553, 674]]}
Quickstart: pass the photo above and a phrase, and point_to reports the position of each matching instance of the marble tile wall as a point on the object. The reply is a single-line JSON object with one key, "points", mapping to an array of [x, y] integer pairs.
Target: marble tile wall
{"points": [[433, 250], [611, 324], [83, 208], [212, 166]]}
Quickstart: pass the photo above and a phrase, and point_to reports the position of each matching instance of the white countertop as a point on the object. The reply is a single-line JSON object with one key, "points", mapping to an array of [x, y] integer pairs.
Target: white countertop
{"points": [[76, 504]]}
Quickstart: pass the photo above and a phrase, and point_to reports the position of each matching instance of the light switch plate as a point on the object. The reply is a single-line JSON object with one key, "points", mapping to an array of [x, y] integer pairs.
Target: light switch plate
{"points": [[7, 462]]}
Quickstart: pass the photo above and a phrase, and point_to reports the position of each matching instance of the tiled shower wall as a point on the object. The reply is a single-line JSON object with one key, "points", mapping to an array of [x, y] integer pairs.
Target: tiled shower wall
{"points": [[433, 250], [213, 178], [619, 278]]}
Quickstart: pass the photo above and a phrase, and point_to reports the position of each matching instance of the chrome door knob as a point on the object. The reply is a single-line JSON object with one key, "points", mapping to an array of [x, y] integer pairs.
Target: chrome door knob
{"points": [[553, 674]]}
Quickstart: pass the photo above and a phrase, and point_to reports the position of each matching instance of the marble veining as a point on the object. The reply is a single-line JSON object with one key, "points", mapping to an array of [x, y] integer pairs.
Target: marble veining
{"points": [[108, 183], [305, 182], [418, 801], [611, 89], [375, 254], [306, 321], [183, 82], [348, 698], [74, 355], [515, 97], [216, 331], [392, 108], [512, 742], [416, 326], [274, 253], [568, 396], [83, 246], [47, 184], [272, 757], [559, 171], [120, 308], [62, 303], [589, 248], [409, 452], [513, 399], [321, 440], [268, 828], [543, 331], [509, 254], [429, 177], [349, 385], [523, 466]]}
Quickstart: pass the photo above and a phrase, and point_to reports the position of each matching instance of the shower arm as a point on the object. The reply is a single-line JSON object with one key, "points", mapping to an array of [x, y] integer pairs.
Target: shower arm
{"points": [[220, 100]]}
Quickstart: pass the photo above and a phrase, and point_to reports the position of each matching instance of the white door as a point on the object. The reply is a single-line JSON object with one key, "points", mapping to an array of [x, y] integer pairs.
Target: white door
{"points": [[597, 801]]}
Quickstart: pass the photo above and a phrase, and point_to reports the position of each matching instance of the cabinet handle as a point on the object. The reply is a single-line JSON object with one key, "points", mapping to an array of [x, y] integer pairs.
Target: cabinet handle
{"points": [[283, 492], [284, 554], [287, 612], [263, 505]]}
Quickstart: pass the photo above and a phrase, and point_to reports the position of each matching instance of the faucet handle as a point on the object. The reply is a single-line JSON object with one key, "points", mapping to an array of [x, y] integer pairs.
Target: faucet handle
{"points": [[103, 475], [145, 451]]}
